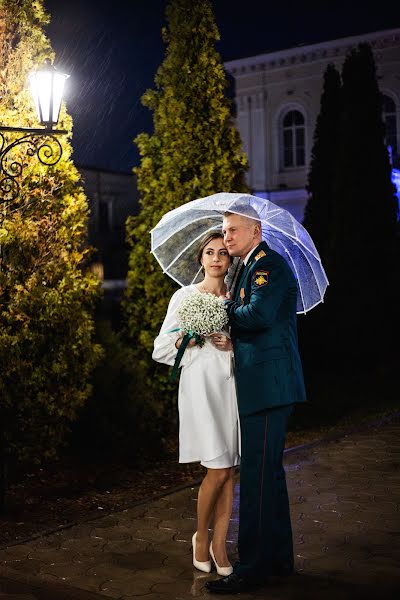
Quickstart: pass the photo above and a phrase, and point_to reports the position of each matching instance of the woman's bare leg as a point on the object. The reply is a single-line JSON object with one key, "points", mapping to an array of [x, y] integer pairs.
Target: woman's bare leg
{"points": [[209, 492], [222, 515]]}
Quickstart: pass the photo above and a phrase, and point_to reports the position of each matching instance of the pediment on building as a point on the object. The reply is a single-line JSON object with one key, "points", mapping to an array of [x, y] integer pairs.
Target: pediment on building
{"points": [[312, 53]]}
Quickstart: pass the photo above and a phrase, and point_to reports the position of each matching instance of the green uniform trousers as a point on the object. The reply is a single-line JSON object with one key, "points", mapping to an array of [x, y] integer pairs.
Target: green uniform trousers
{"points": [[265, 535]]}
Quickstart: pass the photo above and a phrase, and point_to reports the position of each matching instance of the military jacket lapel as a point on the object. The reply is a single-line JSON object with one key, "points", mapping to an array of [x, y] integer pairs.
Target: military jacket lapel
{"points": [[257, 253], [239, 282]]}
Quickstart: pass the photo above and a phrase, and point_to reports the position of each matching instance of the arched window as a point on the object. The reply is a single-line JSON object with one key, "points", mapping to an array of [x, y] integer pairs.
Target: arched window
{"points": [[389, 118], [293, 132]]}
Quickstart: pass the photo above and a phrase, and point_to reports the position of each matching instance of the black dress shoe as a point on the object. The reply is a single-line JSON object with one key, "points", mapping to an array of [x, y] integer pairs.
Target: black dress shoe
{"points": [[233, 584]]}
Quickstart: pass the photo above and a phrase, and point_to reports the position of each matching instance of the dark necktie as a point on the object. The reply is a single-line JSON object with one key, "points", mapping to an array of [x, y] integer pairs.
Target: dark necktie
{"points": [[237, 279]]}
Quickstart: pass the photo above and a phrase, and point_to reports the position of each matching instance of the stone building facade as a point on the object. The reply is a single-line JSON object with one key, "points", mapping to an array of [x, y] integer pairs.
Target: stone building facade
{"points": [[277, 98], [112, 198]]}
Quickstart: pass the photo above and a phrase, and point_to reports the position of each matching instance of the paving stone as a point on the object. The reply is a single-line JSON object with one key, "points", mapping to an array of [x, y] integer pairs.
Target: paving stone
{"points": [[17, 596], [126, 546], [189, 573], [140, 560], [111, 533], [158, 575], [86, 582], [50, 541], [175, 549], [52, 555], [80, 531], [125, 587], [65, 571], [109, 571], [181, 588], [308, 524], [15, 552], [74, 545], [28, 566], [163, 513], [108, 521], [158, 536], [345, 506], [177, 524], [148, 597], [190, 515]]}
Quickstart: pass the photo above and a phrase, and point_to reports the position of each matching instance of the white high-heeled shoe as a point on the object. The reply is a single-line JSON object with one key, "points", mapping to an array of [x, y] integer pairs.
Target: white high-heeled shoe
{"points": [[204, 566], [224, 571]]}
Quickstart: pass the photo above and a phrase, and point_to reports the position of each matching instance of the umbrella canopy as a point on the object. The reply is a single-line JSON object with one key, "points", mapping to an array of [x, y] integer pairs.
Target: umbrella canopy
{"points": [[176, 237]]}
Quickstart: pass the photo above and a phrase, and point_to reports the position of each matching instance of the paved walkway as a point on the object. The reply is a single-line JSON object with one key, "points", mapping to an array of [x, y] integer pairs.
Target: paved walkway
{"points": [[345, 502]]}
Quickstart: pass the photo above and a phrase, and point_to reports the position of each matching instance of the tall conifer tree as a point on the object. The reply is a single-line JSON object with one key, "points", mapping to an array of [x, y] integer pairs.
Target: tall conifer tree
{"points": [[363, 241], [319, 209], [194, 151], [47, 350]]}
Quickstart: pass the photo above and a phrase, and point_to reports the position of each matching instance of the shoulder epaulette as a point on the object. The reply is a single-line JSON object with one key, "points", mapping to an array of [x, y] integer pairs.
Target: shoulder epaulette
{"points": [[260, 255]]}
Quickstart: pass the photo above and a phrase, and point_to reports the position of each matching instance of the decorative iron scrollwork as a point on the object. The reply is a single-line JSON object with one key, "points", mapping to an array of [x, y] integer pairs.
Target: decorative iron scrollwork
{"points": [[43, 144]]}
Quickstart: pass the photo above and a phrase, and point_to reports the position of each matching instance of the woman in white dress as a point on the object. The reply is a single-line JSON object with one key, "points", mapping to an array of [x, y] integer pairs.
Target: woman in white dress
{"points": [[208, 414]]}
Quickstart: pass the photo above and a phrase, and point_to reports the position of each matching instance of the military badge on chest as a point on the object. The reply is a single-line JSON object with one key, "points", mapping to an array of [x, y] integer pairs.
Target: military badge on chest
{"points": [[261, 278]]}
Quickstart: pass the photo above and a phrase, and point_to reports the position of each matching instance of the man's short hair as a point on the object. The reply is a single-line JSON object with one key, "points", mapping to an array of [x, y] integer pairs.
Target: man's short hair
{"points": [[246, 211]]}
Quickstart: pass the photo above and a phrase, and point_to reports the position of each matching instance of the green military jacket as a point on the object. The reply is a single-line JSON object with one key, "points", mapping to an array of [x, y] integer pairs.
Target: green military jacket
{"points": [[263, 319]]}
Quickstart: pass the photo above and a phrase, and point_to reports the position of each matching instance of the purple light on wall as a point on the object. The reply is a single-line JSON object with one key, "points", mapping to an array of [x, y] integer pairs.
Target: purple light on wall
{"points": [[396, 183]]}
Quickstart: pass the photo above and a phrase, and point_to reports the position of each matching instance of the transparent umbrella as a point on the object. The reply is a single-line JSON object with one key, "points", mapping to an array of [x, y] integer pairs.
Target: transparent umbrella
{"points": [[175, 241]]}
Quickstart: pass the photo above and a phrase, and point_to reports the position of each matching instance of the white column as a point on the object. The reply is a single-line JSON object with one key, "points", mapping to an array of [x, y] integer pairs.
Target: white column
{"points": [[243, 123], [258, 142]]}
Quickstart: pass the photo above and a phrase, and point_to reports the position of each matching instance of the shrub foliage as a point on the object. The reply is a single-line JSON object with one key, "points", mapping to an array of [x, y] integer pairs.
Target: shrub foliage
{"points": [[47, 350], [194, 151]]}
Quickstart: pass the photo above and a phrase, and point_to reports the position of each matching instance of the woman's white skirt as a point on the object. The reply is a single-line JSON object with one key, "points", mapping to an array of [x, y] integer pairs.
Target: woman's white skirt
{"points": [[208, 414], [209, 430]]}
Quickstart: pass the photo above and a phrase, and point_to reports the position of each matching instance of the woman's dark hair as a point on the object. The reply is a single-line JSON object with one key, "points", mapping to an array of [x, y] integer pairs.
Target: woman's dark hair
{"points": [[206, 240]]}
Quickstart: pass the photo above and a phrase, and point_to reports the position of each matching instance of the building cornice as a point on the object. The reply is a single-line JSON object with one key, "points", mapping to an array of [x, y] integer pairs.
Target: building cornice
{"points": [[330, 50], [103, 171]]}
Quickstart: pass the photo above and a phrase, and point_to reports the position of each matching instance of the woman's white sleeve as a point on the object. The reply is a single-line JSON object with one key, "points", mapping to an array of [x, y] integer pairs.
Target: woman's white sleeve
{"points": [[164, 344]]}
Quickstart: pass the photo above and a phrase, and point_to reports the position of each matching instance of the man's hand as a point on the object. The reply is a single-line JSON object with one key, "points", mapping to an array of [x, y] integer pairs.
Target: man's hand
{"points": [[221, 341], [228, 296]]}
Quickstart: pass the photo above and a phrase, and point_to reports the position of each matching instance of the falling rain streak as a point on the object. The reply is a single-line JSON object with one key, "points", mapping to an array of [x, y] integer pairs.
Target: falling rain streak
{"points": [[112, 59], [113, 49]]}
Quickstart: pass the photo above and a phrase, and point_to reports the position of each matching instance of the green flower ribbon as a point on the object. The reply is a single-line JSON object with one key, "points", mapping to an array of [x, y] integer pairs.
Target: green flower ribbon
{"points": [[186, 339]]}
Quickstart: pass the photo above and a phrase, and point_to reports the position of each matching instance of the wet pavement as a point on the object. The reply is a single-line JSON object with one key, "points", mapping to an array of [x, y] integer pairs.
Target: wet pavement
{"points": [[345, 506]]}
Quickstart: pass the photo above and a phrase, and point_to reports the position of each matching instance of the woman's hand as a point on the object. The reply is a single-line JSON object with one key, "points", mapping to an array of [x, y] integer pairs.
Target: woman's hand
{"points": [[221, 341], [192, 342]]}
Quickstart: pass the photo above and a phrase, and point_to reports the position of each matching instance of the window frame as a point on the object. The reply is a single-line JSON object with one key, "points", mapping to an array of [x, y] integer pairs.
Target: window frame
{"points": [[293, 129]]}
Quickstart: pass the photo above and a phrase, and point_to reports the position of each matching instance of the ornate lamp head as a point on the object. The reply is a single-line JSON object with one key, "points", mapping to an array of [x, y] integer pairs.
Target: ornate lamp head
{"points": [[47, 86]]}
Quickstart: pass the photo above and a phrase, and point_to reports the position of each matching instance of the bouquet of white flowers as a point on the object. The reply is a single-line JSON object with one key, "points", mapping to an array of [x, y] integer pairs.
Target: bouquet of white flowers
{"points": [[199, 315], [202, 314]]}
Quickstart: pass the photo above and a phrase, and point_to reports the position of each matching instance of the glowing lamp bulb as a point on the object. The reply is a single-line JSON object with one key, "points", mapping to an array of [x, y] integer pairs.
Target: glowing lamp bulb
{"points": [[47, 87]]}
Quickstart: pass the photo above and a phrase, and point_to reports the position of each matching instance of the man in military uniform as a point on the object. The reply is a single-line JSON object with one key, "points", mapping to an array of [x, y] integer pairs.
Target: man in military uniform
{"points": [[262, 315]]}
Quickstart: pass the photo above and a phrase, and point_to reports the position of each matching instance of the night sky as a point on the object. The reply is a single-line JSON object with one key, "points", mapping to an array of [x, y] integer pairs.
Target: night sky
{"points": [[111, 50]]}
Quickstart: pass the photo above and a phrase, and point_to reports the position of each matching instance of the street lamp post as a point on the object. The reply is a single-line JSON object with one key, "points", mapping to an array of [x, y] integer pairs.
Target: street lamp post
{"points": [[47, 86]]}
